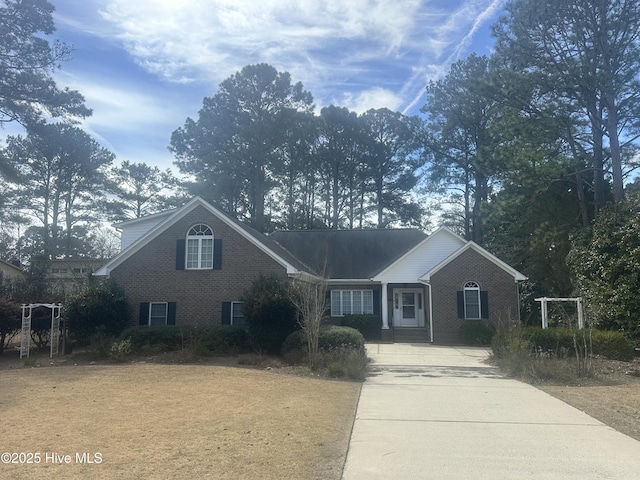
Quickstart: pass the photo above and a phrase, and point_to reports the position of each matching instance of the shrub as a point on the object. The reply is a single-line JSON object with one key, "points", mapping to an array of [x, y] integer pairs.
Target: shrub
{"points": [[155, 339], [10, 322], [476, 333], [100, 304], [370, 326], [120, 349], [100, 343], [224, 340], [270, 315], [331, 338], [557, 340], [210, 339], [347, 363], [612, 345], [560, 342]]}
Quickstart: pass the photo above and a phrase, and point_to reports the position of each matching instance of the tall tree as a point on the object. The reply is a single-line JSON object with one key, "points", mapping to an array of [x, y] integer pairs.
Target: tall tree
{"points": [[235, 145], [605, 261], [139, 190], [27, 60], [341, 163], [61, 167], [393, 157], [588, 53], [459, 138]]}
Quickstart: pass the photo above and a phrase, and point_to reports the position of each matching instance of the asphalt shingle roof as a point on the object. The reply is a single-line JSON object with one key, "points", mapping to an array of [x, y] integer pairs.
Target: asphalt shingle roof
{"points": [[348, 254]]}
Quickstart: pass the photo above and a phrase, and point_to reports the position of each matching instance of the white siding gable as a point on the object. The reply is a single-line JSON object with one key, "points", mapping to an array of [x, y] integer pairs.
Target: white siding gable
{"points": [[135, 229], [421, 259]]}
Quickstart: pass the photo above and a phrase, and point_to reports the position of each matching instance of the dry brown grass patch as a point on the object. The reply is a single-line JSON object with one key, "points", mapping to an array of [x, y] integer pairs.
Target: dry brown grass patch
{"points": [[176, 421]]}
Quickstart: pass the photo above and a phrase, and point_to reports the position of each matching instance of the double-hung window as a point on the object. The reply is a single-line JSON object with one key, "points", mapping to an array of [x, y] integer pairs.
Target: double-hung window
{"points": [[158, 313], [351, 302], [472, 308], [237, 317], [199, 248]]}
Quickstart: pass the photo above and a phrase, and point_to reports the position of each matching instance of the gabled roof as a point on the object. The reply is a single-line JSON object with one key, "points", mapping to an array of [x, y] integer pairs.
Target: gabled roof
{"points": [[428, 252], [518, 277], [348, 254], [292, 265]]}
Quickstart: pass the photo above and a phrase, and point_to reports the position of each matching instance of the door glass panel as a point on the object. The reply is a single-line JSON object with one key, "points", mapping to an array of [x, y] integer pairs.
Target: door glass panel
{"points": [[408, 305]]}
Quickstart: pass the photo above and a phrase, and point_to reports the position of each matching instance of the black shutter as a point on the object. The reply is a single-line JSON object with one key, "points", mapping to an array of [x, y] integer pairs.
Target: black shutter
{"points": [[217, 254], [484, 304], [226, 313], [171, 313], [180, 253], [144, 313], [376, 302], [460, 304]]}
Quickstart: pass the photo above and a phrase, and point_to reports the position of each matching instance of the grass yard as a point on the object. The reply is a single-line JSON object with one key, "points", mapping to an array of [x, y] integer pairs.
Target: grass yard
{"points": [[174, 421]]}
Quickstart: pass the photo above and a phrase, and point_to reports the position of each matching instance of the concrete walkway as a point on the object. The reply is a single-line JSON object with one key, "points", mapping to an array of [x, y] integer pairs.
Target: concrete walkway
{"points": [[432, 412]]}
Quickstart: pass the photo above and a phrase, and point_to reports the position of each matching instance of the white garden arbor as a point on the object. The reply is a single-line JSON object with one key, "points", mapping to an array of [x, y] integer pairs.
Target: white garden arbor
{"points": [[545, 312], [25, 338]]}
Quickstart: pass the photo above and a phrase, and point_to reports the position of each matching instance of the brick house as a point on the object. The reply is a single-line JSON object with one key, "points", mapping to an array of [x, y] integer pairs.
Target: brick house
{"points": [[192, 265]]}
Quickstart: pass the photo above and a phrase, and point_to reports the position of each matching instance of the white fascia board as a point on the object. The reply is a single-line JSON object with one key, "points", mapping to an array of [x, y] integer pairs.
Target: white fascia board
{"points": [[517, 276], [305, 277], [351, 281]]}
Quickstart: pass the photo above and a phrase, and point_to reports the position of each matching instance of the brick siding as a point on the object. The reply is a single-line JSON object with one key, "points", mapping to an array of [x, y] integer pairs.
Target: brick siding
{"points": [[150, 275], [471, 266]]}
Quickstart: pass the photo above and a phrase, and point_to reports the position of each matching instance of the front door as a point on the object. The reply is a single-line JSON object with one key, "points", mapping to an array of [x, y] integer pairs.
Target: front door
{"points": [[408, 308]]}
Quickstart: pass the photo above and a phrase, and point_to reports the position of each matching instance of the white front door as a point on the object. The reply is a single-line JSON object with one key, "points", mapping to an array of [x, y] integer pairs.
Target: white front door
{"points": [[408, 308]]}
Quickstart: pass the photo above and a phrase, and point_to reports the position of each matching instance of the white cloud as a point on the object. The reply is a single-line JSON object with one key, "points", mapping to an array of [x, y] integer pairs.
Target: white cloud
{"points": [[373, 98], [195, 39], [357, 53]]}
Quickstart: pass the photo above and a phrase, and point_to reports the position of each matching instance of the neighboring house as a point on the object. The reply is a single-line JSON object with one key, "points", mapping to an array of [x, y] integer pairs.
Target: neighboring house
{"points": [[192, 265], [71, 274], [9, 270]]}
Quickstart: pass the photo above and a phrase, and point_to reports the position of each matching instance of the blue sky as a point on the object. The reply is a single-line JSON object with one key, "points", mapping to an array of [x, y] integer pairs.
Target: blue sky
{"points": [[144, 66]]}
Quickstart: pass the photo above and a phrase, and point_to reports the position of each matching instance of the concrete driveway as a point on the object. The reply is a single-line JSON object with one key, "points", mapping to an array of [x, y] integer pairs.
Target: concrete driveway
{"points": [[434, 412]]}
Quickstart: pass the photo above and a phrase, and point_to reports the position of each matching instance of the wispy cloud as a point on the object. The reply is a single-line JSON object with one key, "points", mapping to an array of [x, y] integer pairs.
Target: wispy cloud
{"points": [[358, 53], [454, 36]]}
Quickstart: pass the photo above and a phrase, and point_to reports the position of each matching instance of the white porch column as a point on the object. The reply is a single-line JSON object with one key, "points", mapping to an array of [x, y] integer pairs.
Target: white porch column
{"points": [[385, 308]]}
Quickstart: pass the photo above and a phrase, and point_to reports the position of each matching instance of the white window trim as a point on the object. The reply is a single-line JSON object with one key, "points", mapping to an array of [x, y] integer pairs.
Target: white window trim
{"points": [[351, 292], [199, 239], [472, 287], [166, 312]]}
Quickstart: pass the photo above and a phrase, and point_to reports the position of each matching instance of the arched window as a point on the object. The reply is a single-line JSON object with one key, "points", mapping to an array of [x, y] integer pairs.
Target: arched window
{"points": [[472, 308], [199, 248]]}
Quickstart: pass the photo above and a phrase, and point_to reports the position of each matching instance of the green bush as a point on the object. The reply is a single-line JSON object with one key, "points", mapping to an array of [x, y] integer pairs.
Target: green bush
{"points": [[559, 342], [210, 339], [156, 339], [270, 314], [370, 326], [475, 332], [342, 351], [10, 321], [101, 305], [340, 337], [224, 340], [347, 363], [612, 345], [331, 337]]}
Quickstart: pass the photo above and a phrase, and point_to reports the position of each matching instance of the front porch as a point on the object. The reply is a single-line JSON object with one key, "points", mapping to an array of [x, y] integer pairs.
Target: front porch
{"points": [[406, 316]]}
